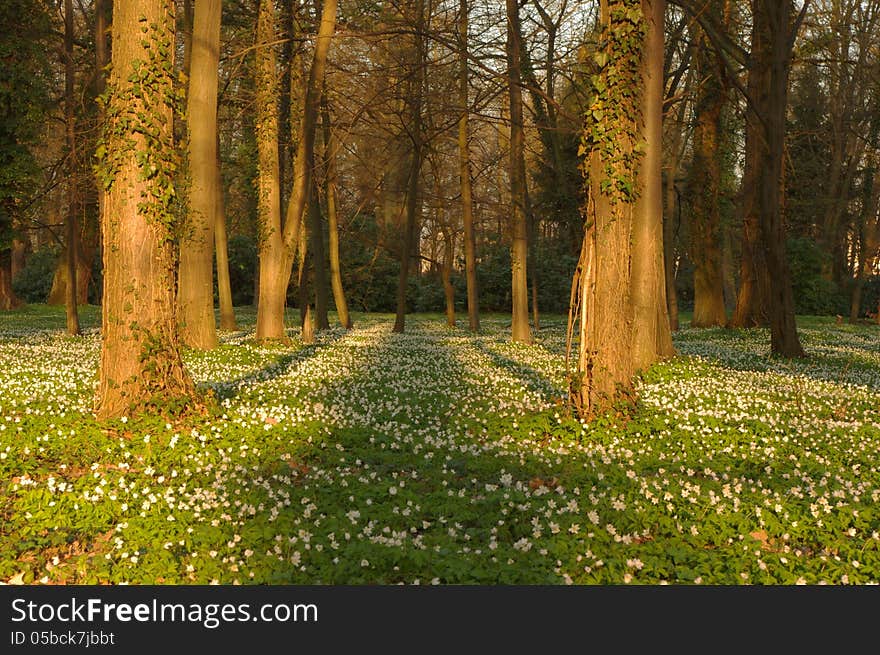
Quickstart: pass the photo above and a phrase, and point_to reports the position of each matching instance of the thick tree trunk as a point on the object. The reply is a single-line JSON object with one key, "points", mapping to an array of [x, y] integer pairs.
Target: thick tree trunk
{"points": [[413, 199], [19, 256], [470, 257], [272, 296], [775, 31], [58, 291], [705, 188], [73, 192], [330, 147], [196, 282], [624, 324], [141, 368], [519, 250]]}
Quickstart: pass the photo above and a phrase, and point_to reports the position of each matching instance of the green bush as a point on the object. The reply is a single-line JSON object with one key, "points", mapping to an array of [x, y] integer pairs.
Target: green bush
{"points": [[813, 294], [34, 281]]}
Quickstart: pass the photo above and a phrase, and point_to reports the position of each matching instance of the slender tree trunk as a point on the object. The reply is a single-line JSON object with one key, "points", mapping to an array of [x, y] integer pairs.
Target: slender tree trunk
{"points": [[319, 264], [519, 229], [273, 289], [141, 367], [446, 273], [413, 201], [752, 302], [652, 339], [8, 299], [470, 257], [330, 147], [196, 282], [221, 251], [73, 192]]}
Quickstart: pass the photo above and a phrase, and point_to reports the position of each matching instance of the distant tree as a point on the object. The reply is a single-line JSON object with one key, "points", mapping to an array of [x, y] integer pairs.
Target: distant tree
{"points": [[23, 107], [196, 280]]}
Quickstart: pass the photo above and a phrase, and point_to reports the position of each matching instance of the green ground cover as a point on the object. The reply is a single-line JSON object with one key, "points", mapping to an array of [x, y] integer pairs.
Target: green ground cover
{"points": [[440, 457]]}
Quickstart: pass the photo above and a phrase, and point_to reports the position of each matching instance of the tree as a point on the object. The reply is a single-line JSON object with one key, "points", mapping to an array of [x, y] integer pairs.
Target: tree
{"points": [[330, 190], [467, 201], [73, 198], [196, 280], [416, 137], [278, 246], [519, 229], [620, 284], [775, 27], [141, 367], [705, 183]]}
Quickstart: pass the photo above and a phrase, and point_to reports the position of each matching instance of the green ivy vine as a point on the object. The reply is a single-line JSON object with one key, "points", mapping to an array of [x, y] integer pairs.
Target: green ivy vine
{"points": [[137, 107], [612, 121]]}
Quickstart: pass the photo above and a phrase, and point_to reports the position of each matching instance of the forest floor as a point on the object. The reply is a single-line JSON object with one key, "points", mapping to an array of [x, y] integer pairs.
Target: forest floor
{"points": [[442, 457]]}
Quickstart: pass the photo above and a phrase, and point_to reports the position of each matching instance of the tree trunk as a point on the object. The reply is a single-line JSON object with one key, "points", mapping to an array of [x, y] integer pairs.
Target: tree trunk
{"points": [[8, 299], [273, 289], [752, 302], [414, 128], [470, 257], [652, 339], [19, 257], [774, 21], [624, 324], [196, 282], [221, 251], [141, 367], [73, 192], [705, 187], [319, 264], [330, 147], [519, 250], [58, 291], [446, 273], [272, 296]]}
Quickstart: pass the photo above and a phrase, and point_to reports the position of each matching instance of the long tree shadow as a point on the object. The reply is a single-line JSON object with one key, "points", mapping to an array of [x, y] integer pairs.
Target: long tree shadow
{"points": [[289, 356]]}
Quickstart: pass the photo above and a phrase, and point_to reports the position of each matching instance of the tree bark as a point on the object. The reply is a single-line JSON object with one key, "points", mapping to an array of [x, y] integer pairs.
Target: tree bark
{"points": [[8, 299], [73, 192], [413, 200], [652, 339], [620, 285], [446, 274], [319, 264], [519, 251], [221, 251], [467, 202], [141, 368], [776, 38], [330, 147], [272, 296], [196, 277], [752, 302], [705, 189], [275, 278]]}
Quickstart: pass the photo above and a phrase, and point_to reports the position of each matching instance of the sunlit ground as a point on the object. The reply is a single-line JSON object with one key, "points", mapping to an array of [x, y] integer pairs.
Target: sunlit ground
{"points": [[440, 457]]}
